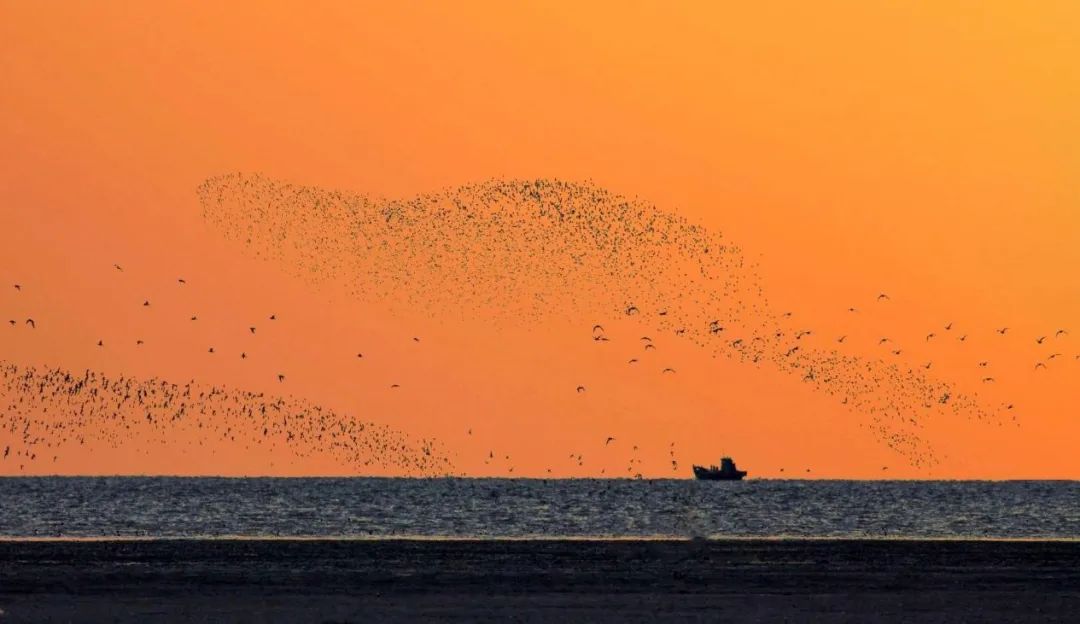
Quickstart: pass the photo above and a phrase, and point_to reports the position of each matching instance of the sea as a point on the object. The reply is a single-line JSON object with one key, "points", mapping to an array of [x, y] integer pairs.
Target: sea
{"points": [[457, 508]]}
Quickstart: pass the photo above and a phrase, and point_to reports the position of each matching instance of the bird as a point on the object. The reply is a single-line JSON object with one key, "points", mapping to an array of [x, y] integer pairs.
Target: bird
{"points": [[988, 380], [948, 327], [1002, 330], [181, 281], [632, 361], [1040, 339], [273, 317], [146, 303], [18, 287], [1060, 332], [841, 339], [929, 336], [243, 355], [32, 324], [609, 440], [281, 378], [194, 318], [580, 389], [668, 370], [118, 267], [251, 329], [883, 297], [597, 328], [1039, 365]]}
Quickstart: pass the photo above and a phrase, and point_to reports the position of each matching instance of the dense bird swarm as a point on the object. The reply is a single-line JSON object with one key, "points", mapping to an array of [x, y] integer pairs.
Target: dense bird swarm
{"points": [[517, 251], [45, 409]]}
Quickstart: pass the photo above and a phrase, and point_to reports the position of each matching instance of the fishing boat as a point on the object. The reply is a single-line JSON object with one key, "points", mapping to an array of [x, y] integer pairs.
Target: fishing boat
{"points": [[725, 472]]}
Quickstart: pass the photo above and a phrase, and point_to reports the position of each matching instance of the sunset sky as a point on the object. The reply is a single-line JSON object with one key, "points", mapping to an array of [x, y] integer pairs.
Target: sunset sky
{"points": [[927, 150]]}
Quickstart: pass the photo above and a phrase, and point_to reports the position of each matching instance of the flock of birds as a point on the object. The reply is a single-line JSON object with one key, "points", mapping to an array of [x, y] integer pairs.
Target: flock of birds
{"points": [[511, 252], [45, 410], [518, 251]]}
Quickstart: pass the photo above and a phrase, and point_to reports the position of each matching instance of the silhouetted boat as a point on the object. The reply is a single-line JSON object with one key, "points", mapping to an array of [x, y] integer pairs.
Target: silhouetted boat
{"points": [[726, 472]]}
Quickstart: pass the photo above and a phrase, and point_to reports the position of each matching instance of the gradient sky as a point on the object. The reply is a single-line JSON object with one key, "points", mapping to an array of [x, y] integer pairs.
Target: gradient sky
{"points": [[929, 151]]}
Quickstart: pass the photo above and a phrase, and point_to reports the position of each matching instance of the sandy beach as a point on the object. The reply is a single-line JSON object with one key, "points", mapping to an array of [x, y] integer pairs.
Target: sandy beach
{"points": [[539, 581]]}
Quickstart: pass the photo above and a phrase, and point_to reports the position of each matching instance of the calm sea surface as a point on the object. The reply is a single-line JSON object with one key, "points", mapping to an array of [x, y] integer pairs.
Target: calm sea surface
{"points": [[488, 508]]}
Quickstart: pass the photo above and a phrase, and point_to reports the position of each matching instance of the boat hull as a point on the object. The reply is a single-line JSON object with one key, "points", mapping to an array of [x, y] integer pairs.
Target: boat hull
{"points": [[710, 474]]}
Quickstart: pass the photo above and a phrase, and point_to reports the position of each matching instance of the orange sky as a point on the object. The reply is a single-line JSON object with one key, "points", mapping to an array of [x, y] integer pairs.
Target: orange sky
{"points": [[851, 147]]}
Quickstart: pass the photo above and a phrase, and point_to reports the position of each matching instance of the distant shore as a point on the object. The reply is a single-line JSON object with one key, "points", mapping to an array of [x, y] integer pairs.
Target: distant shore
{"points": [[744, 580]]}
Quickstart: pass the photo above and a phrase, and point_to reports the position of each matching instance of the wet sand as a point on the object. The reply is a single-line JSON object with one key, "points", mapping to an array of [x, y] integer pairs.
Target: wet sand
{"points": [[539, 581]]}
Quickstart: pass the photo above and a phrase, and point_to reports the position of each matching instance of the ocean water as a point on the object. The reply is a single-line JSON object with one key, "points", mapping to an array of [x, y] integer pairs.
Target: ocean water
{"points": [[95, 507]]}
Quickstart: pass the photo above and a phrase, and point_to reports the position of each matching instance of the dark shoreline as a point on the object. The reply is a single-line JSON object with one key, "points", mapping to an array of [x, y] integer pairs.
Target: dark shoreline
{"points": [[252, 580]]}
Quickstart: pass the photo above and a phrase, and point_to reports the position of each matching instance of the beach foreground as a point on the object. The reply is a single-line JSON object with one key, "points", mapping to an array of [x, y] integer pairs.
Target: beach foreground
{"points": [[539, 581]]}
